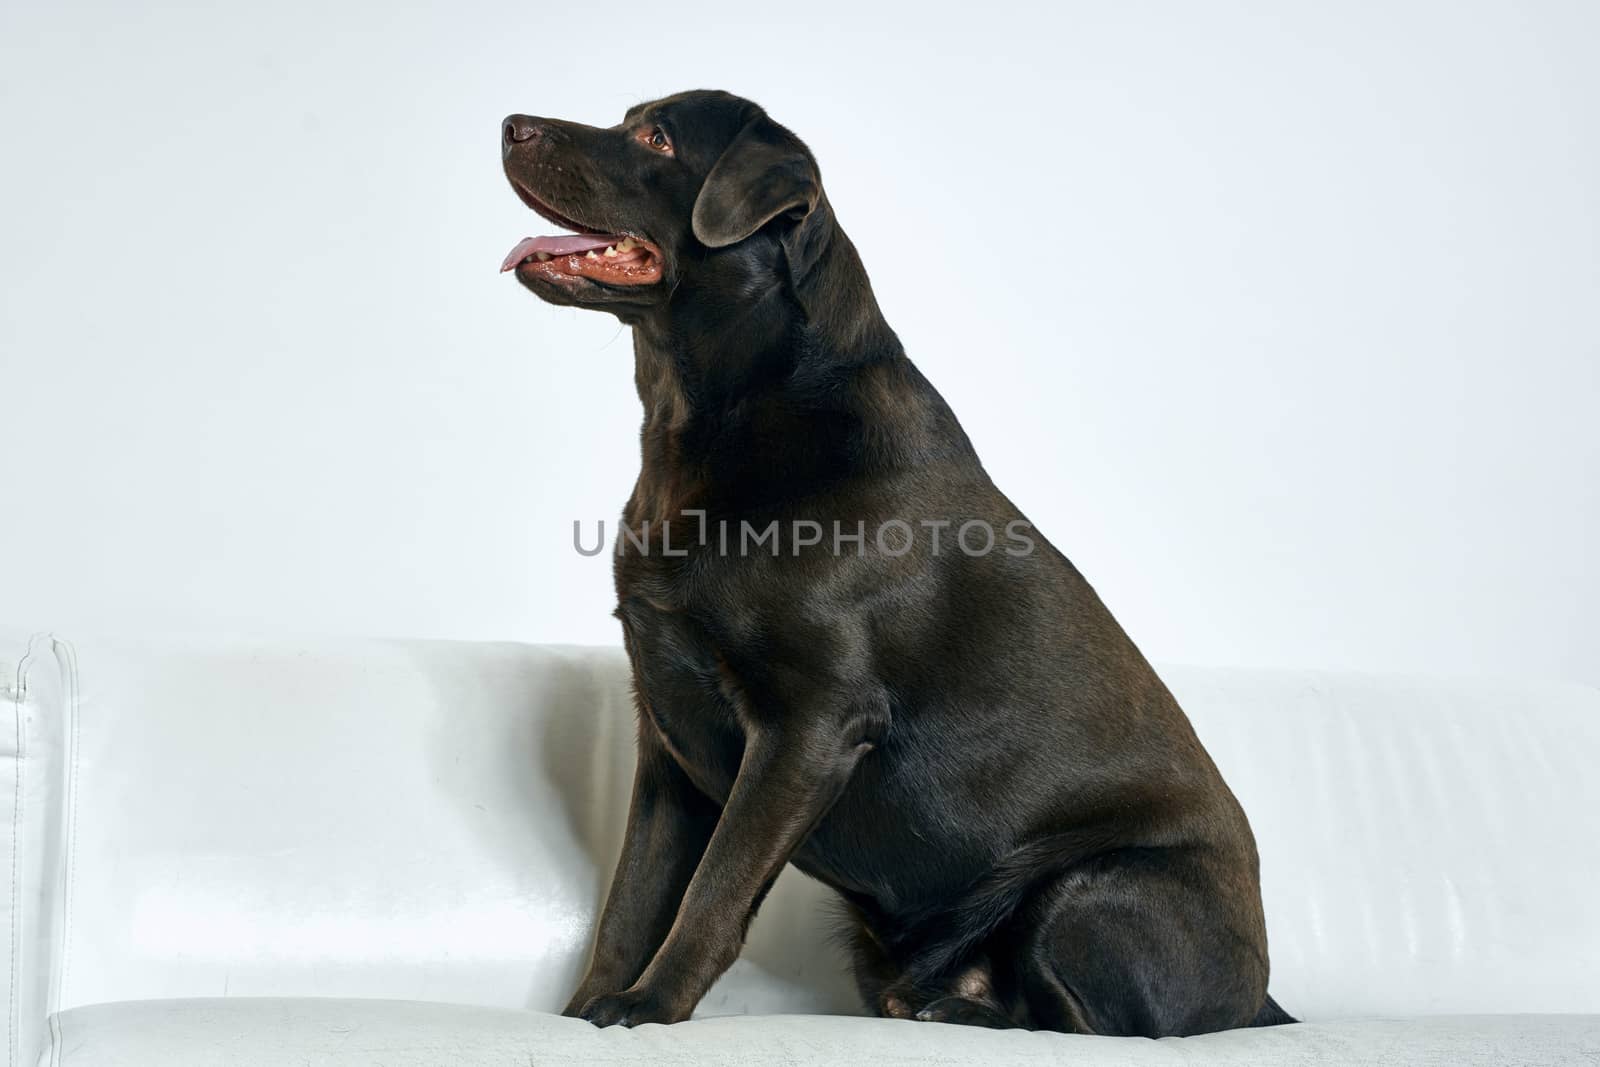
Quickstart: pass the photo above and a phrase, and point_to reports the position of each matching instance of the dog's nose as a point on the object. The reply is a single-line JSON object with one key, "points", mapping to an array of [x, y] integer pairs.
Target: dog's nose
{"points": [[518, 129]]}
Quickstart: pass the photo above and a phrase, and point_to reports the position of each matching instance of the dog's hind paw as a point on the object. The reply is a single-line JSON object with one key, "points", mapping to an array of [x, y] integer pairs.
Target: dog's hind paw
{"points": [[966, 1012]]}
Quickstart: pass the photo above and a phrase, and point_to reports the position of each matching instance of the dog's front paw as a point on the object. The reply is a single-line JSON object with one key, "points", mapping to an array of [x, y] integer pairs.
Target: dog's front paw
{"points": [[575, 1006], [630, 1008]]}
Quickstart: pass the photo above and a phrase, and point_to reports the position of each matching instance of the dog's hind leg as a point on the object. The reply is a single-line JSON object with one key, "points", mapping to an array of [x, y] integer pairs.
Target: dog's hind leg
{"points": [[1143, 942]]}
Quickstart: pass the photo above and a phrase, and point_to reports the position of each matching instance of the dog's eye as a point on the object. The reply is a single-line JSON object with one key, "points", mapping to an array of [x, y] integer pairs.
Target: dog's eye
{"points": [[658, 140]]}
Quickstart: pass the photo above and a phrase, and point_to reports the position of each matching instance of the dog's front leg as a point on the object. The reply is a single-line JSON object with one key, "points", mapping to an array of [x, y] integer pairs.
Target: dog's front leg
{"points": [[669, 823], [787, 780]]}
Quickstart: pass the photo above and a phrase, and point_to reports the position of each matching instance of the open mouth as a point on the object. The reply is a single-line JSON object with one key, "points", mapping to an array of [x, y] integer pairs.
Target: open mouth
{"points": [[608, 258]]}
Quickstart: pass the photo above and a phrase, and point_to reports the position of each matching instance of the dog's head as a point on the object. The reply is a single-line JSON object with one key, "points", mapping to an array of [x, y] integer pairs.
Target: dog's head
{"points": [[698, 185]]}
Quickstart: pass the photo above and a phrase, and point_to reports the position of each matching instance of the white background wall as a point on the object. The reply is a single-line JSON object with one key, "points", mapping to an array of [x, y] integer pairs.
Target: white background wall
{"points": [[1282, 320]]}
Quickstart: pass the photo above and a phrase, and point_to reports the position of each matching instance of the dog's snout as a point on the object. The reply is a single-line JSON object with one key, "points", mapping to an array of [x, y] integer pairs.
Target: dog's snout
{"points": [[519, 129]]}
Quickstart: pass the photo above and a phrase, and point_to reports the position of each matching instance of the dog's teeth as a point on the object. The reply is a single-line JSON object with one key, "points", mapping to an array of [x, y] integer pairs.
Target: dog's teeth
{"points": [[627, 245], [611, 250], [590, 255], [543, 257]]}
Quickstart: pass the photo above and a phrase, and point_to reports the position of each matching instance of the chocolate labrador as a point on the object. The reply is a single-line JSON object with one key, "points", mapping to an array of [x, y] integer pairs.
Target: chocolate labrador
{"points": [[850, 651]]}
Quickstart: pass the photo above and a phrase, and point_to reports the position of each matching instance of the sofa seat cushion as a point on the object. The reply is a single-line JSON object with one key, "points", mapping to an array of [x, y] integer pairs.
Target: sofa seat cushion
{"points": [[316, 1032]]}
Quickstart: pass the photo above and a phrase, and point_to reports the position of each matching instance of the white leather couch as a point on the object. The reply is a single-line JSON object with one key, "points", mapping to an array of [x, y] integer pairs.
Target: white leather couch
{"points": [[391, 853]]}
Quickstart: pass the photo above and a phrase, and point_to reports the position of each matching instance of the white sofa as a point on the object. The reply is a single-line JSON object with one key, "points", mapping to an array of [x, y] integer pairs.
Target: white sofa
{"points": [[391, 853]]}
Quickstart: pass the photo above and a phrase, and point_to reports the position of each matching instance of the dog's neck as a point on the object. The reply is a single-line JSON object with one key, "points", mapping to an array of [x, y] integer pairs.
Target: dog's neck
{"points": [[727, 375], [750, 318], [831, 286]]}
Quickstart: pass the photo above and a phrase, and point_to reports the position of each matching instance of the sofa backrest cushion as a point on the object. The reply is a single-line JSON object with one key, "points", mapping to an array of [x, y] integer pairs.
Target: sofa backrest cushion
{"points": [[438, 821]]}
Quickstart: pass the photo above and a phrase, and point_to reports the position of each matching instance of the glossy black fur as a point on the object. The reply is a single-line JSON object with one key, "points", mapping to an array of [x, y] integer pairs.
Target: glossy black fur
{"points": [[968, 748]]}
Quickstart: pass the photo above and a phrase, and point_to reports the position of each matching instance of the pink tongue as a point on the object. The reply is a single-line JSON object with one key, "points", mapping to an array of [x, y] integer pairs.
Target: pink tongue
{"points": [[557, 246]]}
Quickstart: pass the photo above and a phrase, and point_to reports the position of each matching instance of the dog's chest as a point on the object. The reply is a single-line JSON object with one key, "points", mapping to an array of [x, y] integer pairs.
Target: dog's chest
{"points": [[691, 701], [679, 675]]}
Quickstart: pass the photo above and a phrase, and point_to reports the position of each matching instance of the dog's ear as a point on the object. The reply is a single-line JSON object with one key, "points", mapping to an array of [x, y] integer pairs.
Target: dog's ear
{"points": [[764, 173]]}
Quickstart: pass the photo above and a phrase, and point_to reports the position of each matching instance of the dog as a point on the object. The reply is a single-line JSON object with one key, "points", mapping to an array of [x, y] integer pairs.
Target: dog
{"points": [[930, 711]]}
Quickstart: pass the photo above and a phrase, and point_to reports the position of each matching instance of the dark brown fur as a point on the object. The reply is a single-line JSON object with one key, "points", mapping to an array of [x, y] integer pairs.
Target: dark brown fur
{"points": [[968, 748]]}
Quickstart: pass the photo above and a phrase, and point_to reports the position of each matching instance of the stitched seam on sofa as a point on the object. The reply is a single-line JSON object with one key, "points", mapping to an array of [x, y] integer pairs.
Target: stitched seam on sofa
{"points": [[13, 1014], [16, 821], [67, 656]]}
